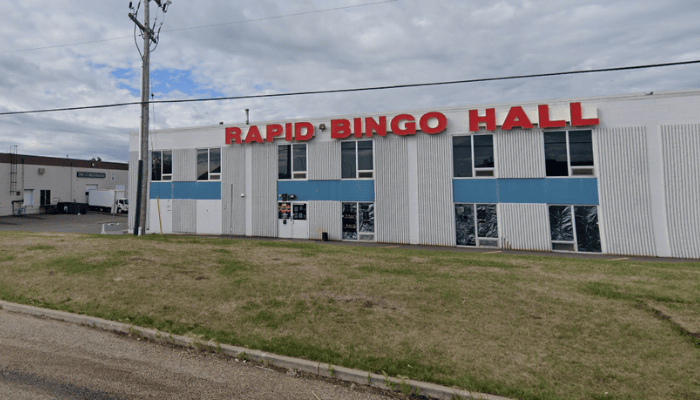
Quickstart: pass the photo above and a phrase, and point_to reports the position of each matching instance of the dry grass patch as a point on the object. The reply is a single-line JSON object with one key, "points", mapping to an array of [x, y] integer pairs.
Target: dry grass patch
{"points": [[524, 327]]}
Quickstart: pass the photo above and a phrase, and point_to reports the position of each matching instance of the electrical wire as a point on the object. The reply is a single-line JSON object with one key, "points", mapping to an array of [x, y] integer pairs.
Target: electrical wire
{"points": [[202, 26], [365, 89]]}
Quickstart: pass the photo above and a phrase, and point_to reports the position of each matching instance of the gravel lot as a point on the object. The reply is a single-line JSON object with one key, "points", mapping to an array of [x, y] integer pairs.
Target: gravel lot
{"points": [[46, 359]]}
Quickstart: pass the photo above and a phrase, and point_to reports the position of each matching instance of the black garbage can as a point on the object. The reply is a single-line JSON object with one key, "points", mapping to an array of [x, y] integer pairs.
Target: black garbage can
{"points": [[324, 236]]}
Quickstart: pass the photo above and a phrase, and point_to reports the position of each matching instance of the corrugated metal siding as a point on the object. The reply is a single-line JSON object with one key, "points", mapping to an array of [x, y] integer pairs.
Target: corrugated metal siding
{"points": [[325, 216], [185, 165], [681, 153], [524, 226], [519, 154], [133, 190], [391, 190], [625, 211], [324, 160], [184, 216], [233, 173], [264, 212], [435, 200]]}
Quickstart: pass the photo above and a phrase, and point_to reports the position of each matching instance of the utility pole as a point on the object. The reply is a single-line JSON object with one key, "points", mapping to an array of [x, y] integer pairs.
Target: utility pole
{"points": [[149, 36]]}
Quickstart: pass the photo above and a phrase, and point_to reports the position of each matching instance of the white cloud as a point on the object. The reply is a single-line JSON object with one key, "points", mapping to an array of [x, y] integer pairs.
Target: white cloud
{"points": [[408, 41]]}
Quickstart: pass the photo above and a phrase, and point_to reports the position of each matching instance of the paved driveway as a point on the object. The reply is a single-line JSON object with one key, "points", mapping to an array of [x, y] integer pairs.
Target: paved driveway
{"points": [[85, 223]]}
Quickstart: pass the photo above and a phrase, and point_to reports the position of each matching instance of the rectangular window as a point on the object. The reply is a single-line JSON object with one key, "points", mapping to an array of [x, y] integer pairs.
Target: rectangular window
{"points": [[161, 165], [569, 153], [208, 164], [45, 197], [476, 225], [358, 221], [291, 161], [472, 156], [579, 233], [357, 159]]}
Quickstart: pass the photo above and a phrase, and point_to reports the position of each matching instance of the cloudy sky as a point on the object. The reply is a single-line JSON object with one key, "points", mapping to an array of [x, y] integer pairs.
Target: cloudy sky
{"points": [[68, 53]]}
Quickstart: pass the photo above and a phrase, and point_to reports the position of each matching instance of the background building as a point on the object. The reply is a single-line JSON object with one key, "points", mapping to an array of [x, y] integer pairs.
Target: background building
{"points": [[617, 175], [32, 182]]}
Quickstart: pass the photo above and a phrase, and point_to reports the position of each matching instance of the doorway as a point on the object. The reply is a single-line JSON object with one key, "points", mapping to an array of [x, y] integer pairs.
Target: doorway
{"points": [[292, 220]]}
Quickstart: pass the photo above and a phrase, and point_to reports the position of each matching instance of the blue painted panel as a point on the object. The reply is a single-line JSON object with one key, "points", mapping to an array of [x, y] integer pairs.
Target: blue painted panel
{"points": [[544, 191], [186, 190], [350, 190], [475, 190]]}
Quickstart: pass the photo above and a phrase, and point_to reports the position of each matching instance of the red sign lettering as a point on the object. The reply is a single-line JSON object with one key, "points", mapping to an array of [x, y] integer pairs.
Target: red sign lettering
{"points": [[233, 133], [272, 131], [340, 128], [441, 125], [577, 119], [408, 129], [516, 117], [489, 119]]}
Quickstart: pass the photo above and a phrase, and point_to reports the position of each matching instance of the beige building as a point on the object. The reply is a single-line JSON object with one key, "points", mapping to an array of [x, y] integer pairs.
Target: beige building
{"points": [[29, 183]]}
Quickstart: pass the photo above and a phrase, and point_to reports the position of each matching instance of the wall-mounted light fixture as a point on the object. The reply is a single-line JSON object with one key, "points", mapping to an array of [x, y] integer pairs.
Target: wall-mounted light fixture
{"points": [[322, 127]]}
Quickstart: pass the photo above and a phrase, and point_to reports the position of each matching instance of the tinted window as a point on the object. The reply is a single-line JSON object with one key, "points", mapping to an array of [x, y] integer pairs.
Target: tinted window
{"points": [[202, 164], [167, 162], [156, 166], [555, 158], [364, 155], [350, 221], [283, 162], [299, 157], [587, 233], [366, 217], [560, 223], [483, 151], [348, 162], [487, 219], [215, 161], [581, 148], [462, 156], [465, 230]]}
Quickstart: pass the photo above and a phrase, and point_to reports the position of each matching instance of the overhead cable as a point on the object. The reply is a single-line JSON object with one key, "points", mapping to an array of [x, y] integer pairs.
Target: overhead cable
{"points": [[365, 89]]}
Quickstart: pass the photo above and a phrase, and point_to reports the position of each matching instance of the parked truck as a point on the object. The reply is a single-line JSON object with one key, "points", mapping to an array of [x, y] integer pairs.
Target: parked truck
{"points": [[108, 200]]}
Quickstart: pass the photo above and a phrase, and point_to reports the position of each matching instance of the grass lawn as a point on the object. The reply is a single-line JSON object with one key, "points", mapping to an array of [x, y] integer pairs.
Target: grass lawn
{"points": [[518, 326]]}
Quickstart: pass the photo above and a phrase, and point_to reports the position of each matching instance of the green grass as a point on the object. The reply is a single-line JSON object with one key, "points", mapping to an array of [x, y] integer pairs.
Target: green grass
{"points": [[523, 327]]}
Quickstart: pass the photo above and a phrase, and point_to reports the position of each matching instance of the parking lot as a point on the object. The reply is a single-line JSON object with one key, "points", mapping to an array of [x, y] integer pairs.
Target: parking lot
{"points": [[83, 223]]}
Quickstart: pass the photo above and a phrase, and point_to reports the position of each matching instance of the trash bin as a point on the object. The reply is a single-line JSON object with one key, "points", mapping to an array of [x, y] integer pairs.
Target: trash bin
{"points": [[324, 236]]}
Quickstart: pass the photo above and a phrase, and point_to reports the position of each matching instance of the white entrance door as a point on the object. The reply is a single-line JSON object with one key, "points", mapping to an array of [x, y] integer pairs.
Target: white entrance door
{"points": [[293, 221]]}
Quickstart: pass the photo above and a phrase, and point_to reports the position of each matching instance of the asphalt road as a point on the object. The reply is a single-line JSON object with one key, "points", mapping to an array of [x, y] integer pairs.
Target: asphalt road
{"points": [[86, 223], [46, 359]]}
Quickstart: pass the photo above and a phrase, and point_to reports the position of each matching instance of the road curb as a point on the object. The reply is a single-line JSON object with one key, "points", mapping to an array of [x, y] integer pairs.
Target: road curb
{"points": [[326, 370]]}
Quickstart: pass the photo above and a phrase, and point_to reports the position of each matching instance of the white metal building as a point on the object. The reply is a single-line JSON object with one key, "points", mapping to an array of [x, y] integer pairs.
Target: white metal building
{"points": [[617, 175], [31, 183]]}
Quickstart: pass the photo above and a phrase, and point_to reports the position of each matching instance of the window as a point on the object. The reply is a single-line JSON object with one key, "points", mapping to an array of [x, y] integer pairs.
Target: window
{"points": [[358, 221], [357, 159], [208, 164], [161, 166], [577, 234], [472, 156], [476, 225], [568, 153], [291, 161], [45, 197]]}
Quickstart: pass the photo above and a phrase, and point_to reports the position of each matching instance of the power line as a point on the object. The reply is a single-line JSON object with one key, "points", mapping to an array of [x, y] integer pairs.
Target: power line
{"points": [[204, 26], [365, 89]]}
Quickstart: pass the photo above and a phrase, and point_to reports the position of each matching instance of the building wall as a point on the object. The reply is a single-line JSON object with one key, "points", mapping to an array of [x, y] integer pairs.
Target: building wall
{"points": [[681, 149], [61, 180], [646, 151]]}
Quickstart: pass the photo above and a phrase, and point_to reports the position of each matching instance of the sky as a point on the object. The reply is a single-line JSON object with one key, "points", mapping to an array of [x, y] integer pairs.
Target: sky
{"points": [[60, 53]]}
